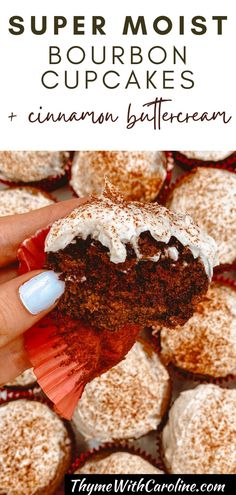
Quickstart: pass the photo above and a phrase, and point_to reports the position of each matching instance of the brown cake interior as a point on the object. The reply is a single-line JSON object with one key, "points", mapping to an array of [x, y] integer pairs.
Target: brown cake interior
{"points": [[108, 295]]}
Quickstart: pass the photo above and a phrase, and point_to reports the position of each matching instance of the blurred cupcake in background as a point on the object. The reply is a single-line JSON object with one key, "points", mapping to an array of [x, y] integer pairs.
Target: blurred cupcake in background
{"points": [[209, 196], [206, 344], [46, 169], [118, 462], [200, 435], [139, 175], [190, 159], [35, 448], [16, 200], [128, 401]]}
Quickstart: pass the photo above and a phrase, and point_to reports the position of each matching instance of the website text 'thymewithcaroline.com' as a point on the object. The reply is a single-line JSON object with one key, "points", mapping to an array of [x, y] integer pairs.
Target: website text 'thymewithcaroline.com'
{"points": [[150, 485]]}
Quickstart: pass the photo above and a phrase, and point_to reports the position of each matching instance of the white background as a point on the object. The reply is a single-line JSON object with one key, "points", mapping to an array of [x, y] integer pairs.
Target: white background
{"points": [[24, 58]]}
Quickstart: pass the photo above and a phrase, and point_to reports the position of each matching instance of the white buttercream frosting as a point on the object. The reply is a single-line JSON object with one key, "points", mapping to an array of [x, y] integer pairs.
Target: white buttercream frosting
{"points": [[209, 196], [29, 166], [18, 200], [35, 448], [118, 463], [207, 155], [127, 401], [115, 223], [206, 344], [200, 435], [139, 175]]}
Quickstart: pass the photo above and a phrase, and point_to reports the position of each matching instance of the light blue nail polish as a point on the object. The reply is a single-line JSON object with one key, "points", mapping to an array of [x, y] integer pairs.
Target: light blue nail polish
{"points": [[41, 292]]}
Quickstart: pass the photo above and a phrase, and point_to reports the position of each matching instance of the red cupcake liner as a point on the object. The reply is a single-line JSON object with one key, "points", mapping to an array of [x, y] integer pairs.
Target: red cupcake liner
{"points": [[31, 386], [228, 163], [165, 186], [66, 354], [7, 395], [110, 448], [189, 375], [163, 193], [223, 267], [48, 184]]}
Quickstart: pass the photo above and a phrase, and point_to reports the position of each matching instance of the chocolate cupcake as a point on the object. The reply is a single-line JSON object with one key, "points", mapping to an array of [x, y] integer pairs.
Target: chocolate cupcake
{"points": [[209, 196], [35, 449], [46, 169], [126, 262], [200, 435], [127, 401], [190, 159], [117, 463], [25, 380], [206, 344], [139, 175], [126, 265], [16, 200]]}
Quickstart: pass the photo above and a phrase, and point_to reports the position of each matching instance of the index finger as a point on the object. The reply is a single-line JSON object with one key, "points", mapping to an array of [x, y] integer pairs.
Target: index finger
{"points": [[15, 229]]}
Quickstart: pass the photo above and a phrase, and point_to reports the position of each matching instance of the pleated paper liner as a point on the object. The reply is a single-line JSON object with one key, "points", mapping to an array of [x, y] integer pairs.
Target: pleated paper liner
{"points": [[189, 375], [161, 195], [49, 183], [223, 267], [228, 163], [109, 448], [66, 354]]}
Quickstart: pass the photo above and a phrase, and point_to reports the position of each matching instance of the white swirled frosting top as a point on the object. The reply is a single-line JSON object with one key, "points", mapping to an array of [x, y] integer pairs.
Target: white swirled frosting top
{"points": [[115, 223], [200, 434]]}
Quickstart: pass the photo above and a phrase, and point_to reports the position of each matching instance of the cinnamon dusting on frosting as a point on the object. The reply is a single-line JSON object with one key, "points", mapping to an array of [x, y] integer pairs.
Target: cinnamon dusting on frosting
{"points": [[207, 155], [138, 174], [30, 166], [115, 222], [126, 402], [34, 448], [200, 435], [209, 196], [118, 463], [206, 344], [16, 200]]}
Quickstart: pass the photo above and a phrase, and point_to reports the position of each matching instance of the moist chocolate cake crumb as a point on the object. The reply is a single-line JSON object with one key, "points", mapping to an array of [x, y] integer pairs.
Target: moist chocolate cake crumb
{"points": [[142, 291]]}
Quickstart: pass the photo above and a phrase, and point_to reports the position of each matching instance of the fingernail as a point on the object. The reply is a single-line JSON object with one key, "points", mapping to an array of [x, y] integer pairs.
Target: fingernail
{"points": [[41, 292]]}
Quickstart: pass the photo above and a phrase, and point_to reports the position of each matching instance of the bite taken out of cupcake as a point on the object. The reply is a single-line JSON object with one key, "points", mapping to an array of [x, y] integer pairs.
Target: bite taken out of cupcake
{"points": [[126, 265]]}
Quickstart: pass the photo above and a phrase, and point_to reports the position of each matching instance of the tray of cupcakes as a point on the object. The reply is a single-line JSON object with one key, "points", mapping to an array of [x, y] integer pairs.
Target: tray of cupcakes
{"points": [[134, 371]]}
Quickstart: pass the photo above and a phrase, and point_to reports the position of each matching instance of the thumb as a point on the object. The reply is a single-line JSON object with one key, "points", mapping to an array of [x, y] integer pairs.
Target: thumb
{"points": [[25, 300]]}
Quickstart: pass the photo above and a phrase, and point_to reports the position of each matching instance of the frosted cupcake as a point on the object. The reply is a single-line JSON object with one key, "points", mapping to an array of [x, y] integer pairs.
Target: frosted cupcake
{"points": [[16, 200], [139, 175], [190, 159], [126, 266], [117, 463], [126, 402], [35, 449], [209, 196], [46, 169], [200, 435], [206, 344]]}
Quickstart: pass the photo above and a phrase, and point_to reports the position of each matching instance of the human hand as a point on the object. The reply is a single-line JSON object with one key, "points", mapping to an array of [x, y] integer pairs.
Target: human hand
{"points": [[24, 300]]}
